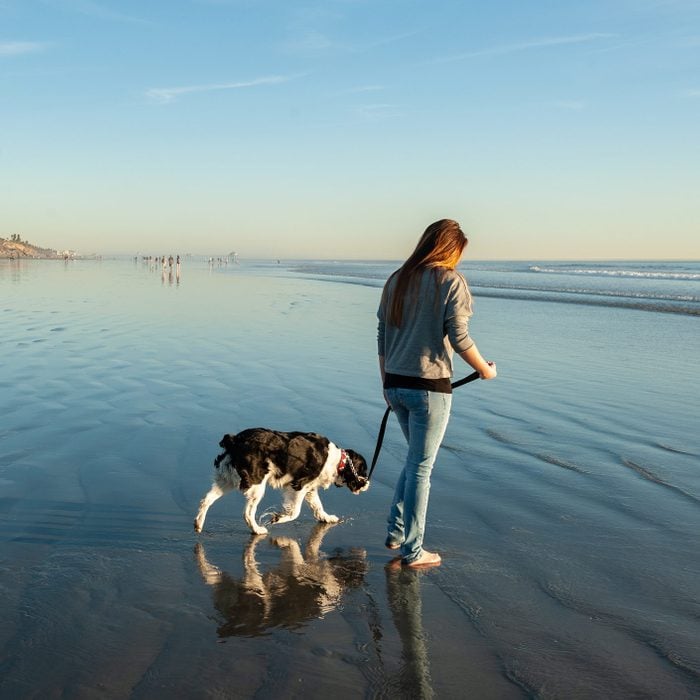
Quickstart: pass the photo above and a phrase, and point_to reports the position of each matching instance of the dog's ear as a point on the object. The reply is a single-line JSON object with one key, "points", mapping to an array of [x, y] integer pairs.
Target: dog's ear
{"points": [[358, 462], [356, 477], [226, 441]]}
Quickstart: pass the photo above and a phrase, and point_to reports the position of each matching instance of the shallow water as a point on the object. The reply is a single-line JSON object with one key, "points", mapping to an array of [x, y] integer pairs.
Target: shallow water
{"points": [[566, 500]]}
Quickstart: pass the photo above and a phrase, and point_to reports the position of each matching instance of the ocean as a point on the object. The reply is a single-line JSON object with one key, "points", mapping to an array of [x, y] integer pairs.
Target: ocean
{"points": [[565, 501], [672, 287]]}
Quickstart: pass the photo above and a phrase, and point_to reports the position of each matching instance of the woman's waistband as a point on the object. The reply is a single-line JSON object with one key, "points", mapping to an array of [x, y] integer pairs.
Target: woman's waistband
{"points": [[400, 381]]}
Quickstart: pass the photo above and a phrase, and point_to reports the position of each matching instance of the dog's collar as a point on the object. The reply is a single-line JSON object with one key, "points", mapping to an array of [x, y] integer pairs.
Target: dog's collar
{"points": [[344, 461]]}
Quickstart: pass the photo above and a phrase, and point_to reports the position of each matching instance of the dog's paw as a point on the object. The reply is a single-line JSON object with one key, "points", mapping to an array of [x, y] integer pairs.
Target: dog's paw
{"points": [[329, 519], [276, 518], [269, 518], [259, 530]]}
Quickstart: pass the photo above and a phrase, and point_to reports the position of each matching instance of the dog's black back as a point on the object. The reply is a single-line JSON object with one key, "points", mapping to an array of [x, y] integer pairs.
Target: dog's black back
{"points": [[299, 455]]}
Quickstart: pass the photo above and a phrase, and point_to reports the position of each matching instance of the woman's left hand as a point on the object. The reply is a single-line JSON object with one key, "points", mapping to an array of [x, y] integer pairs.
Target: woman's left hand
{"points": [[489, 372]]}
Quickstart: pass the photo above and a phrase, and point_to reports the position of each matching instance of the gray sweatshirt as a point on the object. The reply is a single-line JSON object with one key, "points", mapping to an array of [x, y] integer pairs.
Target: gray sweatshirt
{"points": [[435, 323]]}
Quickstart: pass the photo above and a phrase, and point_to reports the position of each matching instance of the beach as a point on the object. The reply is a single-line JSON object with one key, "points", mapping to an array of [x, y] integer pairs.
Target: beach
{"points": [[565, 500]]}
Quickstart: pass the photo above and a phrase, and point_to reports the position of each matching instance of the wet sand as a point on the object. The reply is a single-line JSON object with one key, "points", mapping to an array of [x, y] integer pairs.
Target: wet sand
{"points": [[566, 501]]}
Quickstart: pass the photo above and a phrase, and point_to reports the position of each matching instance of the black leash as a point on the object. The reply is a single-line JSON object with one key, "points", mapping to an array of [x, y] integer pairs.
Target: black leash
{"points": [[382, 427]]}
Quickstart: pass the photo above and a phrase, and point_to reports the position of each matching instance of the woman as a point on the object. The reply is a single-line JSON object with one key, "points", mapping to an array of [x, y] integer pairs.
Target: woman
{"points": [[423, 320]]}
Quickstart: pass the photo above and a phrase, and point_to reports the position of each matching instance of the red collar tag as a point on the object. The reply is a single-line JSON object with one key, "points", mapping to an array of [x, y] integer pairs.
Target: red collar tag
{"points": [[343, 460]]}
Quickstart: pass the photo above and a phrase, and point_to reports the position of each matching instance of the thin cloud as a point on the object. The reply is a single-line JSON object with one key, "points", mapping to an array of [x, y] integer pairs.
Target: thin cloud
{"points": [[312, 40], [391, 39], [526, 46], [17, 48], [167, 95], [376, 112], [570, 105], [89, 8], [359, 89], [692, 92]]}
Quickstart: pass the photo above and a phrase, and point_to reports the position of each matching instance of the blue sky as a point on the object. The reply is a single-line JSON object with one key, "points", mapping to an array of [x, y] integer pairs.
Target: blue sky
{"points": [[341, 128]]}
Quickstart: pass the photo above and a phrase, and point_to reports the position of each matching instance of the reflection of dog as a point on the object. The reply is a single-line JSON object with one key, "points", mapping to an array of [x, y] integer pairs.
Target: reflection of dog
{"points": [[302, 587], [299, 463]]}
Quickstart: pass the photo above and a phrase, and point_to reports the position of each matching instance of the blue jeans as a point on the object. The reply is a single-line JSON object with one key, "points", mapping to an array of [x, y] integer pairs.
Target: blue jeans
{"points": [[423, 417]]}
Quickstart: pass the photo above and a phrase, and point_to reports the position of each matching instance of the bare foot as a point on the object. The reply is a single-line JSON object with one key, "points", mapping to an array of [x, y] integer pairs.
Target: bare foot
{"points": [[393, 545], [426, 559]]}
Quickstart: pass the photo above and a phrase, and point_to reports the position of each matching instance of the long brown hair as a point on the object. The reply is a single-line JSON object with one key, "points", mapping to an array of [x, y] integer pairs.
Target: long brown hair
{"points": [[441, 245]]}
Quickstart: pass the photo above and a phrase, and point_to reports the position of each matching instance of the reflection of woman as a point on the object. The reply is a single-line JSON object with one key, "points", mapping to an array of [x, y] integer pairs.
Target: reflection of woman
{"points": [[423, 320], [403, 592]]}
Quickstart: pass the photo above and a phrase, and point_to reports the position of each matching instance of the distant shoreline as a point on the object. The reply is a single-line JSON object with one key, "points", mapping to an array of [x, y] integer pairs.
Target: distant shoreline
{"points": [[16, 249], [23, 250]]}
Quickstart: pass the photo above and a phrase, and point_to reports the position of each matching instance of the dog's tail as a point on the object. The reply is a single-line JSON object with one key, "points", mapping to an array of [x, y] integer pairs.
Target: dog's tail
{"points": [[227, 441]]}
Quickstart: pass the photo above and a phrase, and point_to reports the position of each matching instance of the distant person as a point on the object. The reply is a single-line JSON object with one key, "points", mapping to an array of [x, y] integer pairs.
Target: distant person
{"points": [[423, 319]]}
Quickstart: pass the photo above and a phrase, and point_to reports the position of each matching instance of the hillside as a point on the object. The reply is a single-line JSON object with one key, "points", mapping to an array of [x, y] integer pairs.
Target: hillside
{"points": [[24, 249]]}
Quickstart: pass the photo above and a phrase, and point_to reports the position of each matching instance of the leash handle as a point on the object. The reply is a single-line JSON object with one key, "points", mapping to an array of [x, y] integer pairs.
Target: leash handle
{"points": [[380, 440], [382, 428], [466, 380]]}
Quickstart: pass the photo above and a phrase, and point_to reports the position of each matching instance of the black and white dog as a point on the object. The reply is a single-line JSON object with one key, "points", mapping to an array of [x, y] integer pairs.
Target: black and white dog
{"points": [[298, 463]]}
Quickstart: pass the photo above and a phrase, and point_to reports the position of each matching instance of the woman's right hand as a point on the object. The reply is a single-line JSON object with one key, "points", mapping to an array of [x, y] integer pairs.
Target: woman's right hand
{"points": [[489, 371]]}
